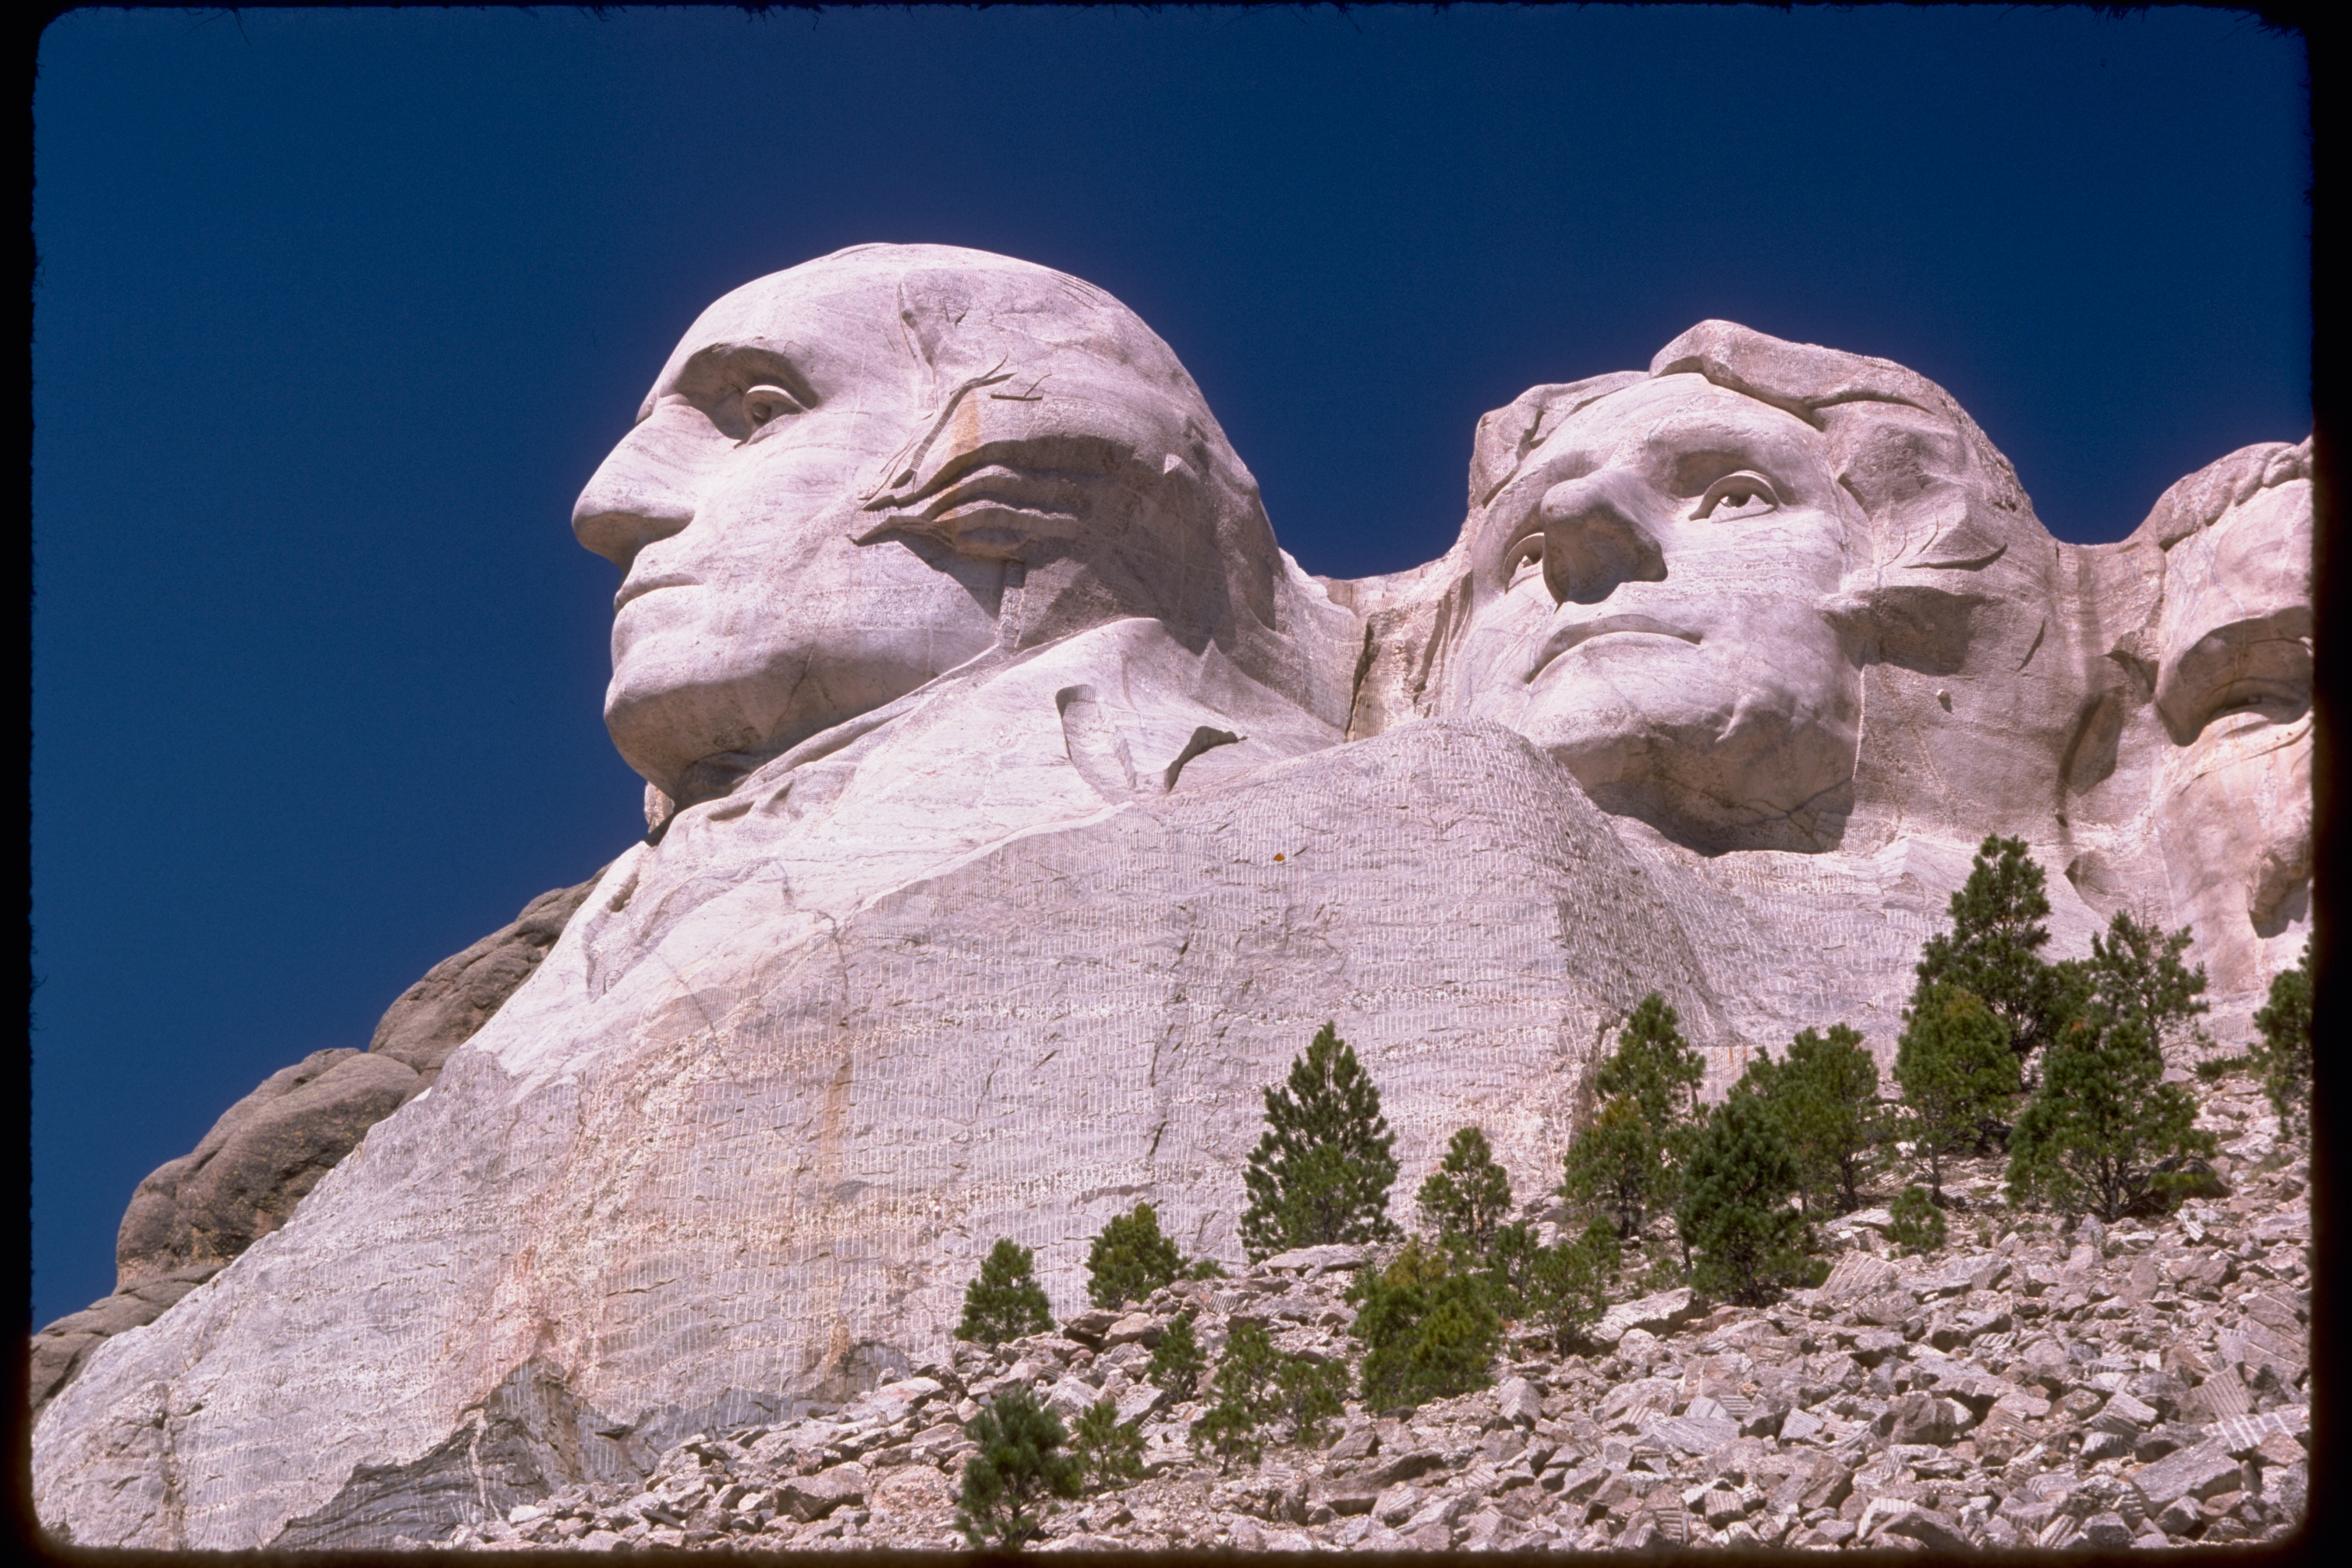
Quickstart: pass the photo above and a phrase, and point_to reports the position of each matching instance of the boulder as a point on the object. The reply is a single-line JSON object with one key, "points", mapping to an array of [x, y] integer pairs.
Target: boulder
{"points": [[2206, 1470], [1517, 1401], [814, 1497], [1659, 1314]]}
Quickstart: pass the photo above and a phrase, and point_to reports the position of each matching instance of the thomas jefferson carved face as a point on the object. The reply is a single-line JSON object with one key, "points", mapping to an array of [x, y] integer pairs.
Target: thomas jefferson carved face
{"points": [[853, 477], [1652, 599], [2233, 689]]}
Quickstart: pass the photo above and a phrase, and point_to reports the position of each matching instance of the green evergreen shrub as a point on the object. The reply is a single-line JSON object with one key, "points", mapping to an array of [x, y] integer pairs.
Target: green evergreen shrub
{"points": [[1735, 1213], [1618, 1164], [1005, 1301], [1918, 1225], [2281, 1058], [1109, 1452], [1131, 1259], [1467, 1196], [1323, 1170], [1176, 1363], [1568, 1285], [1309, 1394], [2136, 970], [1823, 1097], [1958, 1073], [2103, 1132], [1653, 1065], [1019, 1467], [1511, 1258], [1994, 949], [1243, 1388], [1429, 1331]]}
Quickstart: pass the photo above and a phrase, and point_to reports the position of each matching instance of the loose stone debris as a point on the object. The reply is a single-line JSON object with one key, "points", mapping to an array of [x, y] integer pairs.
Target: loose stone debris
{"points": [[2032, 1385]]}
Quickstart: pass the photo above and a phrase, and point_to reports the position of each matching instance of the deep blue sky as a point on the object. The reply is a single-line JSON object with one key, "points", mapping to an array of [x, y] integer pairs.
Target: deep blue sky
{"points": [[337, 310]]}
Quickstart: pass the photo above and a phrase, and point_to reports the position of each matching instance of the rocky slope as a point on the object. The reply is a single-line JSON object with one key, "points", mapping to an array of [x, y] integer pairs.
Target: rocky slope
{"points": [[2031, 1384]]}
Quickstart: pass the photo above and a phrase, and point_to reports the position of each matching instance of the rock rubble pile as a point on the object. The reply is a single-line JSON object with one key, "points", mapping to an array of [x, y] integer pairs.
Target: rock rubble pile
{"points": [[2031, 1384]]}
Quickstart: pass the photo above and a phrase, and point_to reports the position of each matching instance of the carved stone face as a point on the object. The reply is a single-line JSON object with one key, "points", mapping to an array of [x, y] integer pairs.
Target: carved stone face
{"points": [[745, 617], [1651, 604], [2234, 688], [850, 477]]}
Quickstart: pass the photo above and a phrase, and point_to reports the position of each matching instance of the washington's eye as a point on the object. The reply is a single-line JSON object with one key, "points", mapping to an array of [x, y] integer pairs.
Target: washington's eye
{"points": [[1735, 496], [1526, 559], [766, 402]]}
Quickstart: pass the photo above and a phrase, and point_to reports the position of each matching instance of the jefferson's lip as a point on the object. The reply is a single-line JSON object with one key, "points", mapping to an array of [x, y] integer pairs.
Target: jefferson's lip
{"points": [[637, 587], [1562, 639]]}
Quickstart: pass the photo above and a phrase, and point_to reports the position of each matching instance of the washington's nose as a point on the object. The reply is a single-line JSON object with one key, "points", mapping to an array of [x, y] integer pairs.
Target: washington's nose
{"points": [[642, 491], [1595, 537]]}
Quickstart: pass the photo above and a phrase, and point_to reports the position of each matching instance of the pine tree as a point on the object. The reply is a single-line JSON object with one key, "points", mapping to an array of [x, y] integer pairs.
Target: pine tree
{"points": [[1019, 1466], [2103, 1125], [1131, 1259], [1176, 1363], [2136, 970], [1823, 1096], [1005, 1301], [1467, 1196], [1735, 1216], [1654, 1066], [1568, 1285], [1994, 948], [1957, 1075], [1309, 1394], [1511, 1258], [1244, 1387], [1918, 1225], [1323, 1171], [2283, 1056], [1618, 1164], [1429, 1332], [1109, 1452]]}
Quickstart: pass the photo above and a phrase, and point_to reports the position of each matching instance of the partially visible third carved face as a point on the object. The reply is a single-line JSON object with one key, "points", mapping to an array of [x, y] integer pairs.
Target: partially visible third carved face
{"points": [[2234, 688], [1652, 598]]}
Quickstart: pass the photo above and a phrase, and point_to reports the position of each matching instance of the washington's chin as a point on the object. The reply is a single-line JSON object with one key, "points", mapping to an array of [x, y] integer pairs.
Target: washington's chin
{"points": [[662, 731]]}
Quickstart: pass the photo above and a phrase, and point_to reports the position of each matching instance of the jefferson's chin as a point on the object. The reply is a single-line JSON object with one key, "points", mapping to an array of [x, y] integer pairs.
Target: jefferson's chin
{"points": [[1711, 776]]}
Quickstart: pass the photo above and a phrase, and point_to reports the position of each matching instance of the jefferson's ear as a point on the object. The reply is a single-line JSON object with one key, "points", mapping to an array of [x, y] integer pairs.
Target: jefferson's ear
{"points": [[1913, 626]]}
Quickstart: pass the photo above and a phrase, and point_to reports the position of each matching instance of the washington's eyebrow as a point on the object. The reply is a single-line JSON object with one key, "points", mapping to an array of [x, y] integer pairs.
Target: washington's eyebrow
{"points": [[715, 369]]}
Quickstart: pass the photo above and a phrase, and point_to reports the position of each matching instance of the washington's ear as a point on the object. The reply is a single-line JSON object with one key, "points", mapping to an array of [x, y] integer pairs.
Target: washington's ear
{"points": [[1913, 625]]}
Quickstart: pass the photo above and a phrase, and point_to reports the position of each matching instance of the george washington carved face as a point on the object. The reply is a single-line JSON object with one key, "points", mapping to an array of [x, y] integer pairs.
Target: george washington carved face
{"points": [[855, 476]]}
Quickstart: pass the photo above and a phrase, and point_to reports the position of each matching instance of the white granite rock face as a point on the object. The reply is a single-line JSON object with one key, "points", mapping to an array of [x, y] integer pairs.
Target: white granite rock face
{"points": [[1019, 809]]}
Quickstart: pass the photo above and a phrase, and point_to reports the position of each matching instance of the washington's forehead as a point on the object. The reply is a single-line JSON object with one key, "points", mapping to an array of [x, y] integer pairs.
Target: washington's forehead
{"points": [[793, 302]]}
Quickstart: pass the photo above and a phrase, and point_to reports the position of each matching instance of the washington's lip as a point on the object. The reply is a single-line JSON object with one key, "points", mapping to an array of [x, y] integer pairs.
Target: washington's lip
{"points": [[638, 587], [1562, 639]]}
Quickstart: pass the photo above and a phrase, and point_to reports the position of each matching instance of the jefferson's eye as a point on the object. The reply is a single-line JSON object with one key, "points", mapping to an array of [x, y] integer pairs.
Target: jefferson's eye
{"points": [[766, 402], [1735, 496]]}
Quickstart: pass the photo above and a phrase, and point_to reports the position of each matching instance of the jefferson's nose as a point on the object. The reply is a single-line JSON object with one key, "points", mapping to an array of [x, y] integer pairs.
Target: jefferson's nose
{"points": [[1595, 538], [642, 491]]}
